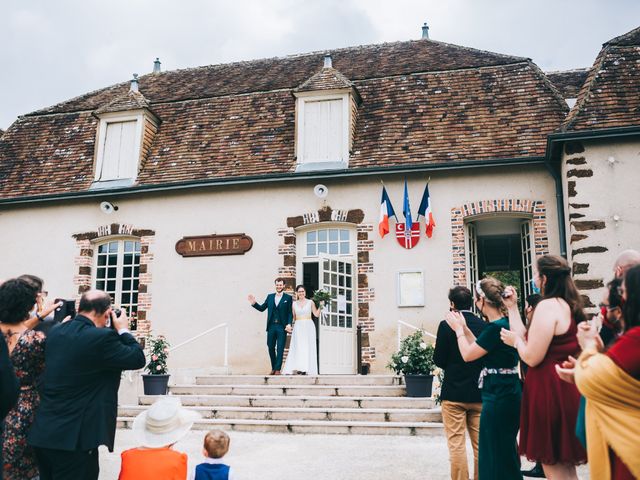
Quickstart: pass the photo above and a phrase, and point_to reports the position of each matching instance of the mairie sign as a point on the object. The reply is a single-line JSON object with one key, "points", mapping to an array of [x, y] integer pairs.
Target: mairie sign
{"points": [[209, 245]]}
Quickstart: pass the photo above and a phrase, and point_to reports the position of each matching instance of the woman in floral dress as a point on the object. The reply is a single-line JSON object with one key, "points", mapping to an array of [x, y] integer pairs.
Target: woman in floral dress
{"points": [[26, 349]]}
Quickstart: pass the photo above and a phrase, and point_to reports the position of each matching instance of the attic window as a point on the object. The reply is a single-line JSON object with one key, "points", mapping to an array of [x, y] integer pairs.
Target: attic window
{"points": [[323, 132], [119, 145]]}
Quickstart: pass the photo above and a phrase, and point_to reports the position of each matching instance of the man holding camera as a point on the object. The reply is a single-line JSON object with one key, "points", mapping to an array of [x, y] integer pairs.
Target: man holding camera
{"points": [[79, 401]]}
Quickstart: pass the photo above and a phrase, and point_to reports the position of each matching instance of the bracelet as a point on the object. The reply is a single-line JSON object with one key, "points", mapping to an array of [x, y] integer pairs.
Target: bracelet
{"points": [[39, 317]]}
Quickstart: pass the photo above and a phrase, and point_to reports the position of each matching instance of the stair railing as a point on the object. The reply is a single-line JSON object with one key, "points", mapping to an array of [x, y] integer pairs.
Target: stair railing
{"points": [[413, 327], [206, 332]]}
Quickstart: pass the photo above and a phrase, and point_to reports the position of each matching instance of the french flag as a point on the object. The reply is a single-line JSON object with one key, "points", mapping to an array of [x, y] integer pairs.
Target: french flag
{"points": [[425, 211], [386, 212]]}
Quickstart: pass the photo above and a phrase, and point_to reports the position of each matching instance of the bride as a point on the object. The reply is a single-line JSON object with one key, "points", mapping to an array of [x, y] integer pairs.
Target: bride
{"points": [[303, 355]]}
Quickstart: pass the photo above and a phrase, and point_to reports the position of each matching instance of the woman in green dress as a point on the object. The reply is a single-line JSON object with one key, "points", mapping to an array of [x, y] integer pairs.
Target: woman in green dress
{"points": [[500, 419]]}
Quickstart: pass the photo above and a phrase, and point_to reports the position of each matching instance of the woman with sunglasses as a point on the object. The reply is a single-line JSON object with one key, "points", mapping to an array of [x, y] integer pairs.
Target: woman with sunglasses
{"points": [[549, 405], [497, 455]]}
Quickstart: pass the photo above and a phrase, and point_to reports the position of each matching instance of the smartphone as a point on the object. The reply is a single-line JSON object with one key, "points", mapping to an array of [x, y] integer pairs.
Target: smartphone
{"points": [[68, 309]]}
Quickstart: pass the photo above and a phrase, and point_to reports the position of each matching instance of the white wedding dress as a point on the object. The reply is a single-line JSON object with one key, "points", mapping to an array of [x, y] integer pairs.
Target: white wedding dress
{"points": [[303, 354]]}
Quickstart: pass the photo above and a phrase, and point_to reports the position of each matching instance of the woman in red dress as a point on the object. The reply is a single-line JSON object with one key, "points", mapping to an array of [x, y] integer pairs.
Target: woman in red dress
{"points": [[549, 405]]}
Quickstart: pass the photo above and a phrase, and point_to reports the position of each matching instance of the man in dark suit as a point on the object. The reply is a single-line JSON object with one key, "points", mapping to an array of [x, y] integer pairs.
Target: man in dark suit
{"points": [[279, 319], [79, 400], [460, 395]]}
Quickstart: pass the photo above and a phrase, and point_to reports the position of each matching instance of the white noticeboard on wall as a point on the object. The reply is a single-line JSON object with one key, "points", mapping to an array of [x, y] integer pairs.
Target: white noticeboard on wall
{"points": [[410, 292]]}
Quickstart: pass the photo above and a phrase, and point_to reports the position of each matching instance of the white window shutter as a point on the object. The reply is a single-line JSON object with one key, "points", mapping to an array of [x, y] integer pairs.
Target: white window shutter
{"points": [[323, 136], [119, 155]]}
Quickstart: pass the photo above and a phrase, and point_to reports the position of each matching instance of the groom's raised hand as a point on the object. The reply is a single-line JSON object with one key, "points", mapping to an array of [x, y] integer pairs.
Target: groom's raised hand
{"points": [[251, 299]]}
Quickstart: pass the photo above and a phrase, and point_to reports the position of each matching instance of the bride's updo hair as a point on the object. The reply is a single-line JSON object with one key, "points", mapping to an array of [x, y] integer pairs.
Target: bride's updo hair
{"points": [[559, 284], [492, 290]]}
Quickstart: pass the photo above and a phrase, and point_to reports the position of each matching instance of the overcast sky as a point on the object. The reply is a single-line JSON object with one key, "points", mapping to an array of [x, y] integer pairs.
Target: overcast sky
{"points": [[53, 50]]}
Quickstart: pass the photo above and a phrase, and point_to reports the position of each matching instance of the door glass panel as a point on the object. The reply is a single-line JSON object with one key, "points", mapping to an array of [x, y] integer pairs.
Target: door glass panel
{"points": [[341, 321], [349, 322], [348, 269], [334, 265]]}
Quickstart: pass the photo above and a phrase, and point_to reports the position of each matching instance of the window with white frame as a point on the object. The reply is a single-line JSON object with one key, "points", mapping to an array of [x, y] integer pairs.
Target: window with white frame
{"points": [[323, 131], [118, 272], [334, 241], [118, 148]]}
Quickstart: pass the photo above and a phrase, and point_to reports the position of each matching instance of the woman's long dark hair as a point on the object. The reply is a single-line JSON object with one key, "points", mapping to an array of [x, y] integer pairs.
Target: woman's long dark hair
{"points": [[559, 284], [631, 306]]}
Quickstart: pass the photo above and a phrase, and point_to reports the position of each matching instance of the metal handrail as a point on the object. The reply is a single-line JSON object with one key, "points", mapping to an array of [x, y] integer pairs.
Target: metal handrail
{"points": [[400, 323], [202, 334]]}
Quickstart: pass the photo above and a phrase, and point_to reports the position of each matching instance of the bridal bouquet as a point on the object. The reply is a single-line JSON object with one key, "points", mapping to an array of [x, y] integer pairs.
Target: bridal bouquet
{"points": [[321, 297]]}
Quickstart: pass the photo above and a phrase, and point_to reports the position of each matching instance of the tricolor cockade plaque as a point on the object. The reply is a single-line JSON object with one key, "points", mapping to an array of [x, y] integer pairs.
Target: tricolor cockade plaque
{"points": [[210, 245]]}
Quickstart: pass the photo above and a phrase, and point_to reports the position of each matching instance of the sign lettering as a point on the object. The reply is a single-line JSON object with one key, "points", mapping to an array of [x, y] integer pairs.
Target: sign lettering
{"points": [[210, 245]]}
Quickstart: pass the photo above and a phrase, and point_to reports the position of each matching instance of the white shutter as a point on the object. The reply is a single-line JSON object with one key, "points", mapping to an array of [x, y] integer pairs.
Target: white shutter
{"points": [[119, 155], [323, 135]]}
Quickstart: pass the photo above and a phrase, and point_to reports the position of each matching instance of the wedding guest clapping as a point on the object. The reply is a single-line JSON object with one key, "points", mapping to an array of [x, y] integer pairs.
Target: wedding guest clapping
{"points": [[497, 456], [549, 405], [611, 384]]}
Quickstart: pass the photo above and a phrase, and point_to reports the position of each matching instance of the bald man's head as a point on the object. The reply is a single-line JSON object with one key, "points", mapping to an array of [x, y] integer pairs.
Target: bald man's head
{"points": [[625, 261], [95, 301]]}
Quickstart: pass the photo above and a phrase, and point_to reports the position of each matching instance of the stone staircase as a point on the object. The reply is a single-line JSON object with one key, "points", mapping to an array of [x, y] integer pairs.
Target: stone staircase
{"points": [[340, 404]]}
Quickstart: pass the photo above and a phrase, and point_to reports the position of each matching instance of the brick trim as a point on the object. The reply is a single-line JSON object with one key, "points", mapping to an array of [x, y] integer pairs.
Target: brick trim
{"points": [[534, 209], [364, 247], [85, 244]]}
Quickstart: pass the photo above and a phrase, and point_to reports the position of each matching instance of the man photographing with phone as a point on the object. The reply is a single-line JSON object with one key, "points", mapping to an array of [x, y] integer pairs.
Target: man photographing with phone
{"points": [[78, 407]]}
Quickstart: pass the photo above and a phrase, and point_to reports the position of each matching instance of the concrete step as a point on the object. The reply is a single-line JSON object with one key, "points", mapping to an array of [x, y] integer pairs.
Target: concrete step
{"points": [[309, 413], [295, 401], [382, 380], [313, 426], [291, 390]]}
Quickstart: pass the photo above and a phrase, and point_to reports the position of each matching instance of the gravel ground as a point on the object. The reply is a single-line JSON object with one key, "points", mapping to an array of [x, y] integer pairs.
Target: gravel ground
{"points": [[275, 456]]}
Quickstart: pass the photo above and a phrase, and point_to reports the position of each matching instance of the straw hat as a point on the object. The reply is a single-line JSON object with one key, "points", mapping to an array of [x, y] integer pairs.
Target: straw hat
{"points": [[164, 423]]}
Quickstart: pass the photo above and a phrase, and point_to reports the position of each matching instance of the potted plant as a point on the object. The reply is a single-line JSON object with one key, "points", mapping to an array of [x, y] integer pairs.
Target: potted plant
{"points": [[157, 381], [414, 360]]}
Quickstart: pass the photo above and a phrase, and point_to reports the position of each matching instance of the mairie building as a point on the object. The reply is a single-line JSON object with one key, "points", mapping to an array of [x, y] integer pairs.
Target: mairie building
{"points": [[181, 192]]}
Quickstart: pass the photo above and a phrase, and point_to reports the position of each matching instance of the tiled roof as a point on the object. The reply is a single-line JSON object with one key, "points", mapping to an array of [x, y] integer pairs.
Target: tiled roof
{"points": [[355, 63], [326, 79], [568, 82], [127, 101], [416, 109], [610, 96]]}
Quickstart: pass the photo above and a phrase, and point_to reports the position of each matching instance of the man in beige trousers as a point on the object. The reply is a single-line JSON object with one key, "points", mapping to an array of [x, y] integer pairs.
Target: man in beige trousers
{"points": [[461, 400]]}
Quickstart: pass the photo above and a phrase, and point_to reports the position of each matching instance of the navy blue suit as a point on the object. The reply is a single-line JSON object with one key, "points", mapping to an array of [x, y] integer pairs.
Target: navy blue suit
{"points": [[278, 317]]}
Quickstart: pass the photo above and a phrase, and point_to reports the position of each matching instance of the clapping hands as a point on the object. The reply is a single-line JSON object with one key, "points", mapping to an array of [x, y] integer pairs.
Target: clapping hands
{"points": [[588, 336], [566, 371]]}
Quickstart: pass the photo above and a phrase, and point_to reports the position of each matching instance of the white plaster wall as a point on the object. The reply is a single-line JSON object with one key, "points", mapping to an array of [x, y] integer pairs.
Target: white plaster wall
{"points": [[611, 191], [190, 295]]}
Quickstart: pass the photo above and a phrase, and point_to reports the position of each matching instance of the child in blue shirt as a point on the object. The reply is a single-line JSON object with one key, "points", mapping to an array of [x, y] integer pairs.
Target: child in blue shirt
{"points": [[216, 445]]}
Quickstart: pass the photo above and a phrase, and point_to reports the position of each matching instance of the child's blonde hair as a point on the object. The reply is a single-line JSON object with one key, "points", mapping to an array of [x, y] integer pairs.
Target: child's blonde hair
{"points": [[216, 443]]}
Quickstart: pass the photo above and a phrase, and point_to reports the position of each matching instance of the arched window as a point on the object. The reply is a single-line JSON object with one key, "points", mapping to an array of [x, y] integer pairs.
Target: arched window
{"points": [[118, 271]]}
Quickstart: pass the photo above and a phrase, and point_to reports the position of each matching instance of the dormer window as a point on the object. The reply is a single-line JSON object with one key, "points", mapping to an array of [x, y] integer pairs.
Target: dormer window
{"points": [[119, 149], [325, 118], [125, 132]]}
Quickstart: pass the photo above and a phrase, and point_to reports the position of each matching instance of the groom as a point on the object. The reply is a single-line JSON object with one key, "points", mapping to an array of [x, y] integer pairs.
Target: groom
{"points": [[279, 318]]}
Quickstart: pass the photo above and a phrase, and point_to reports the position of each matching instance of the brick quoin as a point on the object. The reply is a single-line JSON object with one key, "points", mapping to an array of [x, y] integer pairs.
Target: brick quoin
{"points": [[532, 209], [85, 246]]}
